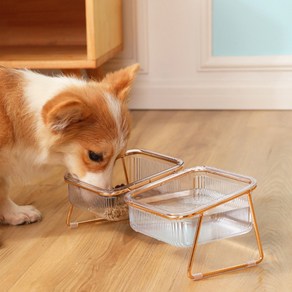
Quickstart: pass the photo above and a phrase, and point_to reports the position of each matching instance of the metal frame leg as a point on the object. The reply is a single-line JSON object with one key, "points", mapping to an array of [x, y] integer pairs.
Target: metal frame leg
{"points": [[199, 275], [75, 224]]}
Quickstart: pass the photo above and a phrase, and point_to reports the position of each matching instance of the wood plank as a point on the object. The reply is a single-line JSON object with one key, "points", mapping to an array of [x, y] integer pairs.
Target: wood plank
{"points": [[103, 26], [51, 57], [48, 256], [42, 23], [45, 57]]}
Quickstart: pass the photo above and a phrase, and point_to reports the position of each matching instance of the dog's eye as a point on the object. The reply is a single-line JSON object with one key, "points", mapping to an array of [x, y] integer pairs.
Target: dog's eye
{"points": [[97, 157]]}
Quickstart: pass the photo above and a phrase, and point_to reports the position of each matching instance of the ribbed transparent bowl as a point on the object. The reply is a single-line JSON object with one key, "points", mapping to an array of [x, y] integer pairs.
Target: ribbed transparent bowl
{"points": [[134, 169], [169, 208]]}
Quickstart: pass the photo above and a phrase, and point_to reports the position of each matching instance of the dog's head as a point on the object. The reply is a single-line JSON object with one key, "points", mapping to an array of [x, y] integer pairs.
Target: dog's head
{"points": [[91, 125]]}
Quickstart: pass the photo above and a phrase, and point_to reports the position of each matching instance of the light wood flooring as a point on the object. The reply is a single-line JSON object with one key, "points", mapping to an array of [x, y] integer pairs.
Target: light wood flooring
{"points": [[49, 256]]}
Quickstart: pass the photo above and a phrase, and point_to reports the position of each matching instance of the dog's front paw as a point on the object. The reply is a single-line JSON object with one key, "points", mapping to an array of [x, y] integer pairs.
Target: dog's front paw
{"points": [[16, 215]]}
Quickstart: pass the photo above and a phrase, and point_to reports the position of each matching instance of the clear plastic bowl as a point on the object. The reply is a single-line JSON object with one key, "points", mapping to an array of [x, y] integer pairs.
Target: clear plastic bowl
{"points": [[136, 168], [169, 209]]}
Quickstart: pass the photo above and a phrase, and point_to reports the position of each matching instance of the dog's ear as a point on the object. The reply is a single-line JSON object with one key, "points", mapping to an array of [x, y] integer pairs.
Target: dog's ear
{"points": [[119, 82], [62, 111]]}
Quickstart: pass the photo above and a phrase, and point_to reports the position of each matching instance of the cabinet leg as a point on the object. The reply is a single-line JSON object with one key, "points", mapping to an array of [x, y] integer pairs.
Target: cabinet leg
{"points": [[96, 74]]}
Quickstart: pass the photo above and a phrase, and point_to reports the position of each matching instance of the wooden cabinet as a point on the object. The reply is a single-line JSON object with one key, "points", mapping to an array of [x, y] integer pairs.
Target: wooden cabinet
{"points": [[59, 34]]}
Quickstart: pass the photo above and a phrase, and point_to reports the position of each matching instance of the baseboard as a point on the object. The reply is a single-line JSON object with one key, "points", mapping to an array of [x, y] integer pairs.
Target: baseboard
{"points": [[211, 98]]}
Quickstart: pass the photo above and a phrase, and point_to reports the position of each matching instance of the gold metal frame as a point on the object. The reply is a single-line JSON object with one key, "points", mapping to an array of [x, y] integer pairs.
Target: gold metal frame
{"points": [[199, 275], [177, 165], [75, 224], [245, 191]]}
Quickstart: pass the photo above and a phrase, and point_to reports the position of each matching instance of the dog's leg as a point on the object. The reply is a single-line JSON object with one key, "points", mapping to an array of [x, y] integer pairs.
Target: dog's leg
{"points": [[11, 213]]}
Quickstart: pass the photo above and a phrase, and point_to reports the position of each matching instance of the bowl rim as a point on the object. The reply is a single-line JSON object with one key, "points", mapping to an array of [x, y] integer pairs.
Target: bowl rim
{"points": [[132, 202], [71, 179]]}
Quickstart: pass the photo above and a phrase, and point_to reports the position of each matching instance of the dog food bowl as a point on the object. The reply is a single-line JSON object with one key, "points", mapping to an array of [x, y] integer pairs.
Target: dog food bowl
{"points": [[134, 169], [194, 206]]}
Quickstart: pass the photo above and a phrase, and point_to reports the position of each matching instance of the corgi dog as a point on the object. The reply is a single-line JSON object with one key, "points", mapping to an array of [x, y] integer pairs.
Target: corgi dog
{"points": [[82, 125]]}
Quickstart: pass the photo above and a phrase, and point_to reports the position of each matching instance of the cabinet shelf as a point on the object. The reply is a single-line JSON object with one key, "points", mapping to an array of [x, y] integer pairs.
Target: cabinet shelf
{"points": [[50, 57], [63, 34]]}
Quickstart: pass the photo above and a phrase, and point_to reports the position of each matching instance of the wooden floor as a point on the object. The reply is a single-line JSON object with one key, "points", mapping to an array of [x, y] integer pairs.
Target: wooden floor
{"points": [[49, 256]]}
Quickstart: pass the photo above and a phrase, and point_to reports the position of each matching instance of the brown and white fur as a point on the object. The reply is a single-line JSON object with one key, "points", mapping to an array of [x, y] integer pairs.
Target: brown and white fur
{"points": [[82, 125]]}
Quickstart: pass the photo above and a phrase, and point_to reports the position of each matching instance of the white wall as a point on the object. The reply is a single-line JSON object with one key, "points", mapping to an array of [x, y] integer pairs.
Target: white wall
{"points": [[171, 39]]}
